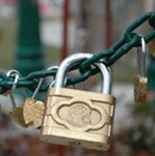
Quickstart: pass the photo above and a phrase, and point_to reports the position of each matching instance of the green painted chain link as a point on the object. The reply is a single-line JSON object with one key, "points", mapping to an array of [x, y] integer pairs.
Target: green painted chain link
{"points": [[109, 56]]}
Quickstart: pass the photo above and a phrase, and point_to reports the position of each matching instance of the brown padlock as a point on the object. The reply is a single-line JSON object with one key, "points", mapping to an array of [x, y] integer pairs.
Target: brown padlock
{"points": [[79, 118], [141, 80]]}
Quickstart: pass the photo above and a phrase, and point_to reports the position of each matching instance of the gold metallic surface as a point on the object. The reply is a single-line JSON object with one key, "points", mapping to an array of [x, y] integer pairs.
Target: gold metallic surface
{"points": [[33, 112], [75, 117], [17, 115], [140, 89]]}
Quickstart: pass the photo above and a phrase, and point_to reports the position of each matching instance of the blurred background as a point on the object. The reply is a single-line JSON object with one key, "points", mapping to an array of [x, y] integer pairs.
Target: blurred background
{"points": [[35, 34]]}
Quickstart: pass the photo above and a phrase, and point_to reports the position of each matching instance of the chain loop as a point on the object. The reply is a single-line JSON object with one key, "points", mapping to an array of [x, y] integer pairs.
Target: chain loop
{"points": [[109, 56], [152, 20]]}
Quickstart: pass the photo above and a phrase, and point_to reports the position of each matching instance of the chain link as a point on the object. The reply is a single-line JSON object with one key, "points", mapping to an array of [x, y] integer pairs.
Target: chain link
{"points": [[109, 56]]}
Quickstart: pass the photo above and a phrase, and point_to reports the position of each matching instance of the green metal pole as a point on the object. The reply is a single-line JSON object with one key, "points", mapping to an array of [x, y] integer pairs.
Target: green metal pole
{"points": [[151, 73], [29, 54]]}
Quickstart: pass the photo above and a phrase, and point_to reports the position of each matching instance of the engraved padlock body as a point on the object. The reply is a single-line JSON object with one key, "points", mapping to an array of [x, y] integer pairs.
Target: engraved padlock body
{"points": [[76, 117], [140, 89]]}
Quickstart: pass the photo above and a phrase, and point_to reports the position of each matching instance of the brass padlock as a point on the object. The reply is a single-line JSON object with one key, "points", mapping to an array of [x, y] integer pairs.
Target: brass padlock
{"points": [[140, 89], [76, 117], [141, 80], [33, 109], [17, 115], [33, 112], [20, 113], [16, 111]]}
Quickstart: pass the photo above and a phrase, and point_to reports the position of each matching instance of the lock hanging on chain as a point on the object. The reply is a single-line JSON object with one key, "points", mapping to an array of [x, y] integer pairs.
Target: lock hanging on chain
{"points": [[75, 117], [141, 80], [33, 109], [17, 110], [21, 113]]}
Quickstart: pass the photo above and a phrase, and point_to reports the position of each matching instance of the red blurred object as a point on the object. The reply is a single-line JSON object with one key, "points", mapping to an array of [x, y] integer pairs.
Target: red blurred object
{"points": [[64, 53], [108, 24], [8, 2], [143, 153], [65, 29]]}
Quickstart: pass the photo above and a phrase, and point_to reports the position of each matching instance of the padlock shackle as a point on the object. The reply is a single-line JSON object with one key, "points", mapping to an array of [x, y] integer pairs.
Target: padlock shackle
{"points": [[69, 61], [15, 74], [106, 78], [142, 58]]}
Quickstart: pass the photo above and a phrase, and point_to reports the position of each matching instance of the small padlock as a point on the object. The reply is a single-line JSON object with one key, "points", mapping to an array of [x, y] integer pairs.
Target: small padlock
{"points": [[76, 117], [33, 109], [33, 112], [22, 112], [141, 80], [16, 111]]}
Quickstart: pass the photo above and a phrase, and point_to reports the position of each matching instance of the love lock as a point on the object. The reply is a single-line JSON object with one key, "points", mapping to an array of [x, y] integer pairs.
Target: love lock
{"points": [[76, 117]]}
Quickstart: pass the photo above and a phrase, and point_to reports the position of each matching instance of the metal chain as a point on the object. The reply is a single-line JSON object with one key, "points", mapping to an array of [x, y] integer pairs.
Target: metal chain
{"points": [[109, 56]]}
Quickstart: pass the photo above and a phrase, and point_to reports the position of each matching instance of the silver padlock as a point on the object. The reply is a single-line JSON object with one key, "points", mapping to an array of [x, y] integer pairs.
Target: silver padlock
{"points": [[76, 117]]}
